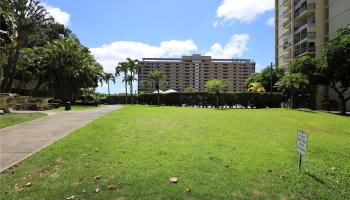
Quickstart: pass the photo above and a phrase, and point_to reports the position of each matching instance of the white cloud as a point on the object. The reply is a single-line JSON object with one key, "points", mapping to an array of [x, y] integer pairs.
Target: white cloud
{"points": [[215, 24], [271, 21], [59, 15], [109, 55], [234, 48], [243, 11]]}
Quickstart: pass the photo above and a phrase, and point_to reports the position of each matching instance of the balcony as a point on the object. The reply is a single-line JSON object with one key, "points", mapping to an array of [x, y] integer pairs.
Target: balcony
{"points": [[286, 23], [296, 2], [306, 22], [286, 13], [286, 34], [303, 35], [304, 9], [304, 48], [286, 3]]}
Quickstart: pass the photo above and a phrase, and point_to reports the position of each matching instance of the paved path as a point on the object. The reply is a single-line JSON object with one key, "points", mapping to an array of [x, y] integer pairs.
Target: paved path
{"points": [[22, 140]]}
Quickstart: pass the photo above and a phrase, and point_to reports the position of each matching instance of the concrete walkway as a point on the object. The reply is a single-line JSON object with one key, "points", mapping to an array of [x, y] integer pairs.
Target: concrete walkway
{"points": [[22, 140]]}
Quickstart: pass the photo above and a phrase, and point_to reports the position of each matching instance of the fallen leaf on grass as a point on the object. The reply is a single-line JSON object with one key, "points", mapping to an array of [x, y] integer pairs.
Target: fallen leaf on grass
{"points": [[173, 180], [189, 190], [87, 165], [71, 197], [29, 184], [112, 187], [18, 187], [97, 190], [97, 178], [81, 178]]}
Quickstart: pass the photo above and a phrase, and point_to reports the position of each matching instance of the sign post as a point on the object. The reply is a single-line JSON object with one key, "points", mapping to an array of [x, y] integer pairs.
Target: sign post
{"points": [[302, 139]]}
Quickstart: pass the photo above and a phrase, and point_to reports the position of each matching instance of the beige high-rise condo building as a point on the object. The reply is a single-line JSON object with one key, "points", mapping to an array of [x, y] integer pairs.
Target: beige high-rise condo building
{"points": [[303, 26], [194, 71]]}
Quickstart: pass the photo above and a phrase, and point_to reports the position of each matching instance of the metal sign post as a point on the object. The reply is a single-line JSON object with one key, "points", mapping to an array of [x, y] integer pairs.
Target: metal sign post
{"points": [[302, 139]]}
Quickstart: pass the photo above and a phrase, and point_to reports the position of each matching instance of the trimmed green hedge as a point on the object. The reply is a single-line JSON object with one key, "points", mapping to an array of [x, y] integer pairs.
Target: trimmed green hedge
{"points": [[204, 99]]}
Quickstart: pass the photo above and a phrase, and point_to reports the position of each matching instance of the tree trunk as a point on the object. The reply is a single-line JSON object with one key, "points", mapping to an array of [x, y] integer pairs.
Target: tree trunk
{"points": [[126, 92], [109, 93], [131, 88], [291, 99], [158, 96], [12, 64], [343, 100], [131, 101], [342, 105], [217, 101]]}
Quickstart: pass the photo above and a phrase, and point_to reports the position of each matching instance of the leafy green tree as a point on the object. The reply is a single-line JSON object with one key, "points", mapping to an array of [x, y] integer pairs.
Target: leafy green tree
{"points": [[270, 76], [189, 90], [307, 66], [123, 67], [253, 78], [71, 68], [107, 78], [267, 77], [291, 83], [157, 76], [336, 65], [30, 17], [217, 87]]}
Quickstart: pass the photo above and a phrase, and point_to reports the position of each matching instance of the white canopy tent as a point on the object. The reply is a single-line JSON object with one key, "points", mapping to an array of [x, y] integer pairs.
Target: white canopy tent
{"points": [[160, 91], [170, 91]]}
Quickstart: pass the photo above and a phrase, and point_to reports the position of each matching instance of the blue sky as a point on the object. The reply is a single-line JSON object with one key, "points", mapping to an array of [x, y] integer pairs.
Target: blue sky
{"points": [[116, 29]]}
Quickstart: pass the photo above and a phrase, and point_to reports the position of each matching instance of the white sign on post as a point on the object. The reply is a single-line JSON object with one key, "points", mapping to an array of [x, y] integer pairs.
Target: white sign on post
{"points": [[302, 139]]}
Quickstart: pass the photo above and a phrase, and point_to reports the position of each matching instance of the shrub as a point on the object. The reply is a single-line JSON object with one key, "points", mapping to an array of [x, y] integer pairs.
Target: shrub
{"points": [[205, 99]]}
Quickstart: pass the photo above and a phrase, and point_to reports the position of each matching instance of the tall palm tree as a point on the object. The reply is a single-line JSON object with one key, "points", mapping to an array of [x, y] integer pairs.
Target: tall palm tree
{"points": [[30, 17], [134, 68], [292, 82], [217, 87], [109, 77], [123, 67], [145, 85], [156, 76], [129, 79]]}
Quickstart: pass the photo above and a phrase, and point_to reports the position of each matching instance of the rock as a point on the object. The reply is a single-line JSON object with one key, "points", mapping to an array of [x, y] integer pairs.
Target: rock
{"points": [[71, 197], [173, 180], [112, 187]]}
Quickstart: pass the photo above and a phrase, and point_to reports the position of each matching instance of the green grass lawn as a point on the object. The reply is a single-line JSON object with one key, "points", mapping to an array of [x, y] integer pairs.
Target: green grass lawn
{"points": [[218, 154], [10, 119], [78, 107]]}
